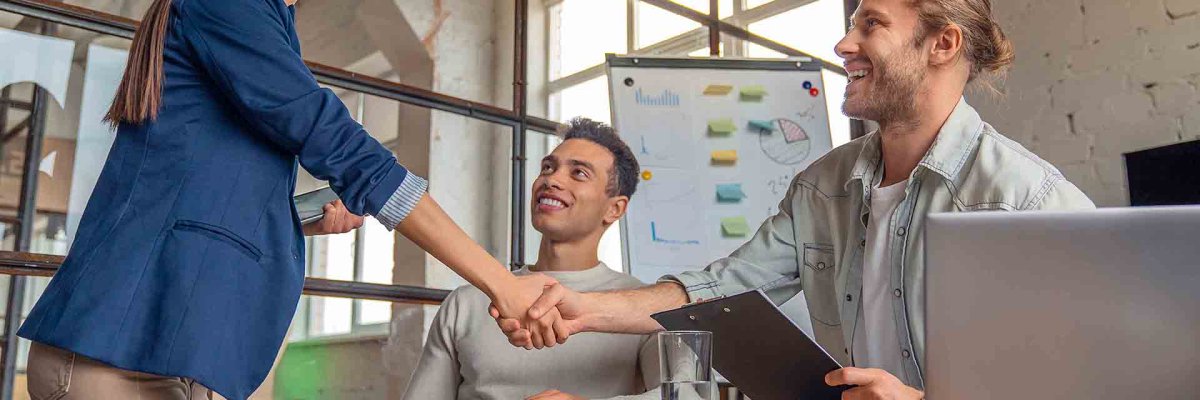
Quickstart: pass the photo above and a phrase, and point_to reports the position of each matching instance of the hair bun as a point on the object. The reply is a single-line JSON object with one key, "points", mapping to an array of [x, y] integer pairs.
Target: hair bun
{"points": [[1001, 54]]}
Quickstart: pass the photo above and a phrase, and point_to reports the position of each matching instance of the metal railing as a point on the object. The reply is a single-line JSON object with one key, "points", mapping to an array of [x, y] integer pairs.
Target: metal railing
{"points": [[30, 264], [119, 26]]}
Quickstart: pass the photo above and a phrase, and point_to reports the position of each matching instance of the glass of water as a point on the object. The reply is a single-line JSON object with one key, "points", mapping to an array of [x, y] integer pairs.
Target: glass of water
{"points": [[685, 361]]}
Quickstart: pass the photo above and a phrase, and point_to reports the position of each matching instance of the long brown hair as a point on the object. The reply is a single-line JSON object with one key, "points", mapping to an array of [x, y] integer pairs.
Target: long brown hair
{"points": [[140, 94]]}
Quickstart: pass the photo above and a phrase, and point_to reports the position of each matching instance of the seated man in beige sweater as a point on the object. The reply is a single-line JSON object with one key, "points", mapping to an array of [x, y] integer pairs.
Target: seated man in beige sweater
{"points": [[583, 188]]}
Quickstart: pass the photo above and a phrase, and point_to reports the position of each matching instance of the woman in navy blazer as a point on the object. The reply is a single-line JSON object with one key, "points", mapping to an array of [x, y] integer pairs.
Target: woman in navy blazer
{"points": [[188, 261]]}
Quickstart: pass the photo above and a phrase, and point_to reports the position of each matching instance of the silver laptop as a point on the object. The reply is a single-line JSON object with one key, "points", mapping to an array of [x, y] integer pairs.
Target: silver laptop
{"points": [[1085, 305]]}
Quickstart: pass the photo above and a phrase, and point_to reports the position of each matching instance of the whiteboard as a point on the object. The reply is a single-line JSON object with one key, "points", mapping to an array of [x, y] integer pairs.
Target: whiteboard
{"points": [[676, 221]]}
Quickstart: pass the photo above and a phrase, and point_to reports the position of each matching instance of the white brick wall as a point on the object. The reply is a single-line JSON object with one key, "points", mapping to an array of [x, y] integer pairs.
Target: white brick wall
{"points": [[1098, 78]]}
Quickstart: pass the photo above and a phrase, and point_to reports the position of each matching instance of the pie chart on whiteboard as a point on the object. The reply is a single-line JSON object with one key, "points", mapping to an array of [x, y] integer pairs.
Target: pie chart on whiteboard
{"points": [[787, 144]]}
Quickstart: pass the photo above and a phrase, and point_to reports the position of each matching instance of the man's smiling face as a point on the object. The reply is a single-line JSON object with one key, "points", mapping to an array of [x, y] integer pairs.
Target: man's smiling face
{"points": [[883, 58], [573, 193]]}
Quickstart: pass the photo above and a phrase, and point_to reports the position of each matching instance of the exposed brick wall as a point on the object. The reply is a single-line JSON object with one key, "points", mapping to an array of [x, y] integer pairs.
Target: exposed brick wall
{"points": [[1098, 78]]}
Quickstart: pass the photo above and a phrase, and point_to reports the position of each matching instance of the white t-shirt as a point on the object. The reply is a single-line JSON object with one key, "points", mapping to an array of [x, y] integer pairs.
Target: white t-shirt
{"points": [[876, 338]]}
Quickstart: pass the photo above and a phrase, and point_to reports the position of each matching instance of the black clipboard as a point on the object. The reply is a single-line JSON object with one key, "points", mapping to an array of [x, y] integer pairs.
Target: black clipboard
{"points": [[758, 348]]}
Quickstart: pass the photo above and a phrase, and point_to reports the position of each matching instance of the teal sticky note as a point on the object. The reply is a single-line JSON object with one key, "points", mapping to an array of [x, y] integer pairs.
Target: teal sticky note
{"points": [[730, 193], [761, 125], [734, 227]]}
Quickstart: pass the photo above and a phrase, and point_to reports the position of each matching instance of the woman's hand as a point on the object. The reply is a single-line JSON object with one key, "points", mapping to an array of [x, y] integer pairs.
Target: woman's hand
{"points": [[430, 228], [337, 219]]}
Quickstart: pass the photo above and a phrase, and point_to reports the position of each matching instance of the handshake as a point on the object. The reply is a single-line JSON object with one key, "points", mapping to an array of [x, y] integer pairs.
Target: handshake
{"points": [[536, 311]]}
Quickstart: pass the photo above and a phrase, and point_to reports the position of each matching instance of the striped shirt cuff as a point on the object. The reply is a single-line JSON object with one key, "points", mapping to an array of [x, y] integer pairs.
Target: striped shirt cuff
{"points": [[402, 201]]}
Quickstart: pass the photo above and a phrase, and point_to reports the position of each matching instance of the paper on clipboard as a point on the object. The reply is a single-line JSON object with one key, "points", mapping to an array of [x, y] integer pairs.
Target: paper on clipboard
{"points": [[758, 348]]}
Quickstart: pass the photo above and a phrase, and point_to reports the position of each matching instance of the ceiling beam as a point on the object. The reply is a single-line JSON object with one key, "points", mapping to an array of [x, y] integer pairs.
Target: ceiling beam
{"points": [[689, 41], [739, 32]]}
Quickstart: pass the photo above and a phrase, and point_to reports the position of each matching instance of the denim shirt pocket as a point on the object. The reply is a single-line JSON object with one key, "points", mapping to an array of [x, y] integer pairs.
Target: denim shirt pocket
{"points": [[818, 257], [820, 288]]}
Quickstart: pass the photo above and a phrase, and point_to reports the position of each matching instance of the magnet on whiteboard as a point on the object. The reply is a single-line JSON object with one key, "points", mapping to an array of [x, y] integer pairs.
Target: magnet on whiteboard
{"points": [[646, 175]]}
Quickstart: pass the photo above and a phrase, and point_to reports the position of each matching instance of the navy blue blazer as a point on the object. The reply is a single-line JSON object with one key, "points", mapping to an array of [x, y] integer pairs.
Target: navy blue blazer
{"points": [[188, 260]]}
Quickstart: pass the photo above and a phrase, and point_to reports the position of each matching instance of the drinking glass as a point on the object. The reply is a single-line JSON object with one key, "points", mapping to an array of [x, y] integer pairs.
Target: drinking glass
{"points": [[685, 361]]}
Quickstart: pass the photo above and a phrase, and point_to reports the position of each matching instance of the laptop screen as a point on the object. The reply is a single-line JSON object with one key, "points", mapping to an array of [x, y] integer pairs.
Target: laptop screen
{"points": [[1168, 175]]}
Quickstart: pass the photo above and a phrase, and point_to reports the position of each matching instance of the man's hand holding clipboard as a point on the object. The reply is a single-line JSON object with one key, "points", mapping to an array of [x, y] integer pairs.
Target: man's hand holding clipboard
{"points": [[758, 348]]}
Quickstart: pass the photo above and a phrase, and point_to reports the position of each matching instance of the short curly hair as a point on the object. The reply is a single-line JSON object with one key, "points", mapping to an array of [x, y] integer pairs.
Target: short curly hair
{"points": [[622, 177]]}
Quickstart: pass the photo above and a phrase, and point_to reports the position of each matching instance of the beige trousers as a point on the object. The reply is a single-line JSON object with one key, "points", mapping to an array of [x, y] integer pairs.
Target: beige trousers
{"points": [[56, 374]]}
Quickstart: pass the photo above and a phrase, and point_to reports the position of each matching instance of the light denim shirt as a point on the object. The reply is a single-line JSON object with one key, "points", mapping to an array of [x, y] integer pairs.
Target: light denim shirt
{"points": [[815, 243]]}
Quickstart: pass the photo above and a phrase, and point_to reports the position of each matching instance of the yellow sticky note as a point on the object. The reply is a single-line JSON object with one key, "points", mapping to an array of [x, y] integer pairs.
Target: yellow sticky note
{"points": [[724, 156], [717, 90], [734, 227], [753, 93], [722, 126]]}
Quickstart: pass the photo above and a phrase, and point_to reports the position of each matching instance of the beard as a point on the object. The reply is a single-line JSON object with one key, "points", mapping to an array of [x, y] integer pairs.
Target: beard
{"points": [[891, 96]]}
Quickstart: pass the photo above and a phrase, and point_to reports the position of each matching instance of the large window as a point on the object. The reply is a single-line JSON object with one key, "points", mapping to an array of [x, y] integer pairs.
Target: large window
{"points": [[579, 87]]}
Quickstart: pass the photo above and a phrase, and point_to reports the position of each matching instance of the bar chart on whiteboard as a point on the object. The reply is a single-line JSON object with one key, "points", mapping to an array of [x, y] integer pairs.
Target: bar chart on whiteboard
{"points": [[719, 144]]}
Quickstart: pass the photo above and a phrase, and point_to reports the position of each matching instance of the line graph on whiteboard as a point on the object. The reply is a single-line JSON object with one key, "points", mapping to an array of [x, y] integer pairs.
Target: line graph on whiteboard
{"points": [[661, 139], [656, 239], [669, 223], [671, 235], [671, 239]]}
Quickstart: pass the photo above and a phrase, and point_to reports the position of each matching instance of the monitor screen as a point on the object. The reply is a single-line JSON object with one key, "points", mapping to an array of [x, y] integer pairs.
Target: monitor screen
{"points": [[1168, 175]]}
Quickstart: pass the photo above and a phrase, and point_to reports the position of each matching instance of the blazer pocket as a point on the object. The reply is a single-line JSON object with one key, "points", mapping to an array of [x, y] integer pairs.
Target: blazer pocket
{"points": [[220, 234]]}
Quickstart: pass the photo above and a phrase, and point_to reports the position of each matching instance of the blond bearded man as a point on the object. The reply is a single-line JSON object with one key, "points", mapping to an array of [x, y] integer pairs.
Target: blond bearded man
{"points": [[849, 231]]}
